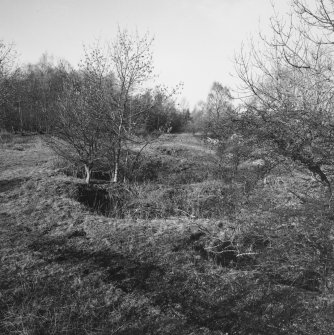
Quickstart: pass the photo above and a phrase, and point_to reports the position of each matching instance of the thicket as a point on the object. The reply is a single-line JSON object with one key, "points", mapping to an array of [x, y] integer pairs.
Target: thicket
{"points": [[275, 154], [286, 124], [30, 100], [94, 113]]}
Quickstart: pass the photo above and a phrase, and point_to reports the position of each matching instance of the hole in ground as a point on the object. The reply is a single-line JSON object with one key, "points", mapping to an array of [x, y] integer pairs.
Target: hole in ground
{"points": [[109, 201], [10, 184]]}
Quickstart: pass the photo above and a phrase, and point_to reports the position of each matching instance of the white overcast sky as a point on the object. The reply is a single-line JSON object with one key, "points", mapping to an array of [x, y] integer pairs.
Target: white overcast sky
{"points": [[195, 40]]}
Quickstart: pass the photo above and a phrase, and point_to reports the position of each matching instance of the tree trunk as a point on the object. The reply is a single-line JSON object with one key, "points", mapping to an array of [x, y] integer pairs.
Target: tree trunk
{"points": [[88, 171], [118, 150], [126, 166], [117, 159], [21, 117], [316, 170]]}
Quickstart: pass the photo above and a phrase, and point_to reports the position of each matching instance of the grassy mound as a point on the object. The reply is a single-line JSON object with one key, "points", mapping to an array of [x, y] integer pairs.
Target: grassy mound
{"points": [[166, 258]]}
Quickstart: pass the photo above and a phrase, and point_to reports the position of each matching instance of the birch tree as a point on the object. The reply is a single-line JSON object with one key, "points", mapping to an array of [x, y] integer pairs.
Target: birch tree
{"points": [[132, 63], [97, 118], [7, 73], [78, 136]]}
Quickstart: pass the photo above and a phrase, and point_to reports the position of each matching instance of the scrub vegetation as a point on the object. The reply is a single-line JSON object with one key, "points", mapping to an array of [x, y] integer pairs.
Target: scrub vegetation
{"points": [[123, 213]]}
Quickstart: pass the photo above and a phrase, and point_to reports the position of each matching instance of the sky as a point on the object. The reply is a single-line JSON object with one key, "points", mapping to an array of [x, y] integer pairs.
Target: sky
{"points": [[194, 40]]}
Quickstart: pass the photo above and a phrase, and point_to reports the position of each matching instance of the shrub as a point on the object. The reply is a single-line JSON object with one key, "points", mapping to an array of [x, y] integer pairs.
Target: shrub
{"points": [[5, 137], [141, 168]]}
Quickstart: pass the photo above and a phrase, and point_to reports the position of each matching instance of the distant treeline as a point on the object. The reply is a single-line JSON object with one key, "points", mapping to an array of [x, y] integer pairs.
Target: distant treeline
{"points": [[31, 96]]}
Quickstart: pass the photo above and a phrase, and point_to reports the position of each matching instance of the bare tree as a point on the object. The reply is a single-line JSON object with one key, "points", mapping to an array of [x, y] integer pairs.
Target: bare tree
{"points": [[219, 110], [78, 136], [132, 63], [288, 115], [99, 111], [7, 58], [289, 86], [7, 73]]}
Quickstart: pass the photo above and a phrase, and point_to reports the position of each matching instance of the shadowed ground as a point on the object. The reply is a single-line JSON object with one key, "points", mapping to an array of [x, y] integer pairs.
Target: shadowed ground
{"points": [[64, 269]]}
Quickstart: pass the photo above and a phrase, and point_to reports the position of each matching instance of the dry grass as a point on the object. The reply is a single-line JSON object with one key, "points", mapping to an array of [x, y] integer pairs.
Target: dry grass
{"points": [[67, 270]]}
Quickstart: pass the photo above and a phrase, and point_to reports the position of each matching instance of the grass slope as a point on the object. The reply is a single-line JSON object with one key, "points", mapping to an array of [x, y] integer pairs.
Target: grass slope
{"points": [[67, 270]]}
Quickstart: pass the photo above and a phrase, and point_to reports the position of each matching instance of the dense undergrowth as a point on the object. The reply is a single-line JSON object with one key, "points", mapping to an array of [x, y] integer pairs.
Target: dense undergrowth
{"points": [[182, 248]]}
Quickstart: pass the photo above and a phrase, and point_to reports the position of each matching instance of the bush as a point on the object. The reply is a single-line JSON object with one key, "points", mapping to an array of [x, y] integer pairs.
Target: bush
{"points": [[141, 168], [5, 137]]}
